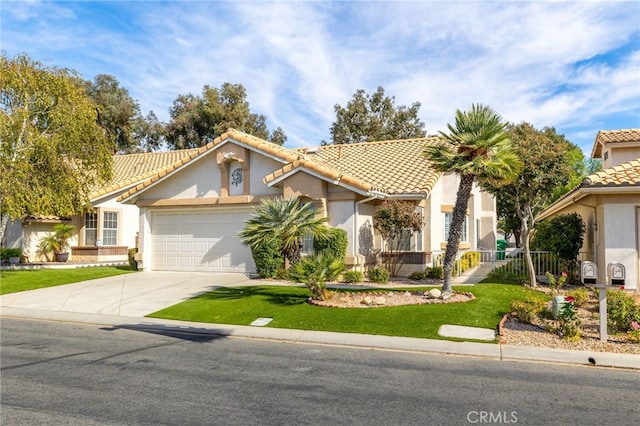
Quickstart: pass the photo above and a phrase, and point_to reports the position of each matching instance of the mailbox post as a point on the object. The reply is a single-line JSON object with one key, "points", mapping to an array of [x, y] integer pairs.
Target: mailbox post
{"points": [[615, 278]]}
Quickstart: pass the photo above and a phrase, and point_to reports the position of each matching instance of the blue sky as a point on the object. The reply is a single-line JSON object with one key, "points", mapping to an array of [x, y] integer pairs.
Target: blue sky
{"points": [[570, 65]]}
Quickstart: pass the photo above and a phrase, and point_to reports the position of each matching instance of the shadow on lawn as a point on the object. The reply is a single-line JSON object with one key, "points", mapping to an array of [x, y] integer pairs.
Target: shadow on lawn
{"points": [[280, 296]]}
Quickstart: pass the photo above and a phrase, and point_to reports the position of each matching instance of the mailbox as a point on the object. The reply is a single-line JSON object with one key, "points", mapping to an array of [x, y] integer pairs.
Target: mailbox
{"points": [[616, 274], [588, 272]]}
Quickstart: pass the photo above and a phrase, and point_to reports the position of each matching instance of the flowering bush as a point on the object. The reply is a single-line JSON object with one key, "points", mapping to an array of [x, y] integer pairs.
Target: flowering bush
{"points": [[634, 332], [554, 284], [569, 325]]}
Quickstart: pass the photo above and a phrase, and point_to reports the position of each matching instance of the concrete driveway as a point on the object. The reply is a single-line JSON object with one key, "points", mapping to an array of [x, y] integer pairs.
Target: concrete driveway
{"points": [[134, 295]]}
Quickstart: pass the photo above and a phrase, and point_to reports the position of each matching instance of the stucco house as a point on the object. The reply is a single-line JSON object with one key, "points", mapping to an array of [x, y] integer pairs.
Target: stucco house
{"points": [[185, 214], [609, 203]]}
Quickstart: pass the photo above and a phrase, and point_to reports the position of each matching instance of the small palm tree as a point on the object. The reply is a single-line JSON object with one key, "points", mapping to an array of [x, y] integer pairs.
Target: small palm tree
{"points": [[285, 221], [315, 271], [478, 149], [58, 240]]}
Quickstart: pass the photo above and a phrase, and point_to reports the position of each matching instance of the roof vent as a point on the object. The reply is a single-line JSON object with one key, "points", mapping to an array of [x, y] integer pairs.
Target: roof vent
{"points": [[312, 150]]}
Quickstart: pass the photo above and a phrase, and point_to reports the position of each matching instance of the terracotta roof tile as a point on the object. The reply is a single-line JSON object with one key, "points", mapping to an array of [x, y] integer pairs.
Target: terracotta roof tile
{"points": [[625, 174], [393, 167], [613, 136]]}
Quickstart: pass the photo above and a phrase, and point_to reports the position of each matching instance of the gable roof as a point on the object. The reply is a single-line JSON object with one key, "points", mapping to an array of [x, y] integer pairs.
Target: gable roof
{"points": [[621, 178], [391, 167], [129, 169], [612, 137]]}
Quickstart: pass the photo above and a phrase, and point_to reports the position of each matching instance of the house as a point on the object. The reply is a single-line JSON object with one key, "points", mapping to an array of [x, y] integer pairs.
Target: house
{"points": [[609, 203], [187, 213]]}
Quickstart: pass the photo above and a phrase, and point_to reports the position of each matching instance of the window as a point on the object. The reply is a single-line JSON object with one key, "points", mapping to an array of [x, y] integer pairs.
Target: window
{"points": [[90, 229], [307, 244], [447, 225], [110, 229]]}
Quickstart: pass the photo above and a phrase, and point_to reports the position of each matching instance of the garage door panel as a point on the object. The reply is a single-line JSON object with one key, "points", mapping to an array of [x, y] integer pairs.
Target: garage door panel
{"points": [[205, 241]]}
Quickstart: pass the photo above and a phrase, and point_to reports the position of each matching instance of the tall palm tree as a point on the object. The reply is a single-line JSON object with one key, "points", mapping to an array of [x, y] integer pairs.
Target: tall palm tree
{"points": [[285, 221], [478, 149]]}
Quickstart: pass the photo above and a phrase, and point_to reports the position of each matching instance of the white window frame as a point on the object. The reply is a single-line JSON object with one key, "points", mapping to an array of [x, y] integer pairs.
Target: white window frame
{"points": [[107, 240], [448, 216], [92, 220]]}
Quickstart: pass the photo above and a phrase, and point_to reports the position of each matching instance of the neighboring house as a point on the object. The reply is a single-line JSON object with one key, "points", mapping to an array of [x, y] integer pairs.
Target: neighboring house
{"points": [[609, 203], [110, 228], [184, 209]]}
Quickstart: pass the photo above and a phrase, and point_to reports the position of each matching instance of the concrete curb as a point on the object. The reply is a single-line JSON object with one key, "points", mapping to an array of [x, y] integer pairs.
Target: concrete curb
{"points": [[486, 350]]}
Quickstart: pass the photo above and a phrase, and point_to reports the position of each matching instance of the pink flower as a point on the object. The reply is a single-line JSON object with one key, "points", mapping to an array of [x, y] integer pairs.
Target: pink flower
{"points": [[564, 274], [635, 325], [570, 299]]}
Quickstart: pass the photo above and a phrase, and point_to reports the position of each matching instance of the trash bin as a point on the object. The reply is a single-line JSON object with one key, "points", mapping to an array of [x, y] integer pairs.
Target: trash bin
{"points": [[502, 247]]}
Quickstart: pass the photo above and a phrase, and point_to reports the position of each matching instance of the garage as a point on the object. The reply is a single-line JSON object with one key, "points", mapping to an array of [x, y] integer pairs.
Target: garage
{"points": [[200, 240]]}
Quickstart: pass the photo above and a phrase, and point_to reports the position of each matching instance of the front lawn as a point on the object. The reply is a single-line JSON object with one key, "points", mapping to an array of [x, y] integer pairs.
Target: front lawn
{"points": [[15, 281], [288, 308]]}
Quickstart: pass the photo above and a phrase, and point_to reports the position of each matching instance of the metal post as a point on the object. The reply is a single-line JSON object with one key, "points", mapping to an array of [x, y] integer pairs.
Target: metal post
{"points": [[603, 314]]}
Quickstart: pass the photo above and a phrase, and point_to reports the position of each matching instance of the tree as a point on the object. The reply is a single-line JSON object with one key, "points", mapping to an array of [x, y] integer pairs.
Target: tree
{"points": [[549, 163], [53, 149], [562, 235], [197, 120], [118, 113], [397, 221], [286, 221], [478, 149], [375, 118], [149, 133]]}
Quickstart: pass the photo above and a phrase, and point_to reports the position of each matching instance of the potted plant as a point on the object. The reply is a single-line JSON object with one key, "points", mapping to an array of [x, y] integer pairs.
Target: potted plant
{"points": [[58, 242], [12, 254]]}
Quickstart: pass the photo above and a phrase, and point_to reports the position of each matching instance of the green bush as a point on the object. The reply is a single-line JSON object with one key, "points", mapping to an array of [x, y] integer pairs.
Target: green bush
{"points": [[334, 246], [133, 264], [379, 275], [281, 274], [6, 253], [268, 258], [528, 309], [569, 325], [435, 272], [352, 277], [580, 296], [468, 260], [621, 311], [315, 271], [417, 276]]}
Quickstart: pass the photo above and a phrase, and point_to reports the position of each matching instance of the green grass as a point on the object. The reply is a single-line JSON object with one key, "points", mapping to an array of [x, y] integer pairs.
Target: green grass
{"points": [[15, 281], [288, 308]]}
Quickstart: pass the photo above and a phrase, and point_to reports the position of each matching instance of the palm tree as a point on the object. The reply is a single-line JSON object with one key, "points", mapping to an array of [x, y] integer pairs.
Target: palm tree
{"points": [[285, 221], [478, 149]]}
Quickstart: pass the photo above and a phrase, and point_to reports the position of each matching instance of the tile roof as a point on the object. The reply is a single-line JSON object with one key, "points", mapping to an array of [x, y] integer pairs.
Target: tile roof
{"points": [[129, 169], [392, 167], [625, 174], [613, 136]]}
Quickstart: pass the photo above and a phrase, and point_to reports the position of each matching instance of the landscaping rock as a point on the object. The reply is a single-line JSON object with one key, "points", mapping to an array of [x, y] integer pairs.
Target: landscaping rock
{"points": [[380, 300], [435, 293], [446, 295], [367, 300]]}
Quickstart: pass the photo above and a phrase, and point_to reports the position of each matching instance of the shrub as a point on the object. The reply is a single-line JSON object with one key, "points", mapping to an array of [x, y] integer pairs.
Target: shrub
{"points": [[556, 285], [379, 275], [621, 311], [435, 272], [562, 234], [133, 264], [580, 296], [417, 276], [268, 258], [334, 245], [528, 309], [352, 277], [315, 271], [6, 253], [281, 274], [569, 325]]}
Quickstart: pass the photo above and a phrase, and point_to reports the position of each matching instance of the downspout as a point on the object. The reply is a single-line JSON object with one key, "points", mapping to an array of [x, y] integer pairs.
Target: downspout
{"points": [[596, 239]]}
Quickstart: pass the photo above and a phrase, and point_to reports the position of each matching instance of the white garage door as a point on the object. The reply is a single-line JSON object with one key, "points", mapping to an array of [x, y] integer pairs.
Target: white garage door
{"points": [[203, 240]]}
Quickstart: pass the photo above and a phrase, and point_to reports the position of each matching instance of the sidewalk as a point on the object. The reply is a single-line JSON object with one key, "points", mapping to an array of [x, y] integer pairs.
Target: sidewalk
{"points": [[123, 302]]}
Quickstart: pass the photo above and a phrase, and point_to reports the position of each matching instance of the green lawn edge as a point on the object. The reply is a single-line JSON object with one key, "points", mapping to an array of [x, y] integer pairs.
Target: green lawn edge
{"points": [[288, 307], [13, 281]]}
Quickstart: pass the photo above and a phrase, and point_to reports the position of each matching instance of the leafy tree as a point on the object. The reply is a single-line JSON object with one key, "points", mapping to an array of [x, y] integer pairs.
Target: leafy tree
{"points": [[478, 149], [396, 221], [196, 120], [53, 150], [563, 235], [286, 221], [547, 165], [375, 118], [149, 133]]}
